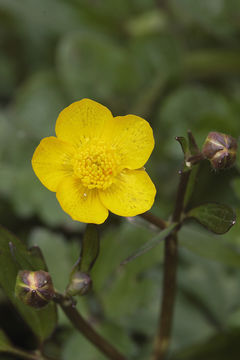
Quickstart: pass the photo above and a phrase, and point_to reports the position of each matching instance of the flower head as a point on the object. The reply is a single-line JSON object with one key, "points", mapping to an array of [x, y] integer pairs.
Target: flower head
{"points": [[34, 288], [95, 163], [220, 149]]}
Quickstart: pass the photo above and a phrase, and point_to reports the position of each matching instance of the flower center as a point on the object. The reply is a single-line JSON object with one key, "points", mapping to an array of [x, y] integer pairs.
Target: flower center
{"points": [[96, 166]]}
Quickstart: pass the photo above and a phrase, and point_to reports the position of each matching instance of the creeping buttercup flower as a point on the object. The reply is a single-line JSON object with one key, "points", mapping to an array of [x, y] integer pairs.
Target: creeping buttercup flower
{"points": [[220, 149], [34, 288], [95, 163]]}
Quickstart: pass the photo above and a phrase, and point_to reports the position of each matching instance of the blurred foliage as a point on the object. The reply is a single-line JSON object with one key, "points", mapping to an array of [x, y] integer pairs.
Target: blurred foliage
{"points": [[176, 63]]}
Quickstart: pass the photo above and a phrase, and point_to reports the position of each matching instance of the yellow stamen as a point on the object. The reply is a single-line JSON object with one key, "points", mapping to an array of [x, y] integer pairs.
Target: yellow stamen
{"points": [[96, 165]]}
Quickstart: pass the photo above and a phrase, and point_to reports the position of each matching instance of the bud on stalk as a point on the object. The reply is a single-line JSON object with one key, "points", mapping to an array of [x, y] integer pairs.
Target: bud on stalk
{"points": [[80, 284], [220, 149], [34, 288]]}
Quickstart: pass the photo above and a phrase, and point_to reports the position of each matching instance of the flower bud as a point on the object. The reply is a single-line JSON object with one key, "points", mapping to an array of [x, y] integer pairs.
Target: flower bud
{"points": [[80, 284], [220, 149], [34, 288]]}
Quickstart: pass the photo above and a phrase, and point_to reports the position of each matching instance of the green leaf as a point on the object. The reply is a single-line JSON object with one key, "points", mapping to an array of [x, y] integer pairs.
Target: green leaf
{"points": [[217, 218], [5, 344], [150, 244], [14, 256], [89, 250]]}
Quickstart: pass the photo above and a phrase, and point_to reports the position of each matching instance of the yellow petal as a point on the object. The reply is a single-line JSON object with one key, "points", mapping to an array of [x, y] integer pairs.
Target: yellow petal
{"points": [[84, 119], [133, 138], [81, 203], [133, 193], [51, 161]]}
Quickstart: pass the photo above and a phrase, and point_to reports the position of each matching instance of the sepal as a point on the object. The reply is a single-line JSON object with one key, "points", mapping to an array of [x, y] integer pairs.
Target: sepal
{"points": [[34, 288]]}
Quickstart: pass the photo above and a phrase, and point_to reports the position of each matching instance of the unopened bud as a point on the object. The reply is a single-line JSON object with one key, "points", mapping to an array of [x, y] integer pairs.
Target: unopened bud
{"points": [[220, 149], [80, 284], [34, 288]]}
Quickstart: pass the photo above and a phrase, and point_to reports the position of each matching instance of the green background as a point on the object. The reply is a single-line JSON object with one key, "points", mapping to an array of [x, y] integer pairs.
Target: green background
{"points": [[175, 63]]}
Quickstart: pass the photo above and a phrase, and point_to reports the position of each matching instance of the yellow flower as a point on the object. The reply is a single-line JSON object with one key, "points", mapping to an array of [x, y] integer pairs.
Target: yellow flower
{"points": [[95, 163]]}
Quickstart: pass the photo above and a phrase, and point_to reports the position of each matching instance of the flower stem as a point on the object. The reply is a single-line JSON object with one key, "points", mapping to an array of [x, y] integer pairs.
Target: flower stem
{"points": [[163, 335], [155, 220], [85, 328], [182, 187]]}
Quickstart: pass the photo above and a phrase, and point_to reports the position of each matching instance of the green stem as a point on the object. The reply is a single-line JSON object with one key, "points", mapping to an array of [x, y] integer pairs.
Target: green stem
{"points": [[85, 328], [163, 335], [21, 354], [182, 187]]}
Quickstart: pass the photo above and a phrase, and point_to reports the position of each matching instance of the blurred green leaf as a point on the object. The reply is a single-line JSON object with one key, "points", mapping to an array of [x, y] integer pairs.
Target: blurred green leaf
{"points": [[177, 114], [204, 63], [114, 334], [126, 292], [37, 105], [77, 345], [236, 185], [213, 282], [93, 65], [175, 63], [5, 343], [126, 240], [157, 61], [223, 346], [7, 74], [217, 218], [34, 14], [216, 16], [14, 256], [60, 262], [147, 23], [150, 244], [5, 133], [184, 332], [59, 266], [210, 247]]}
